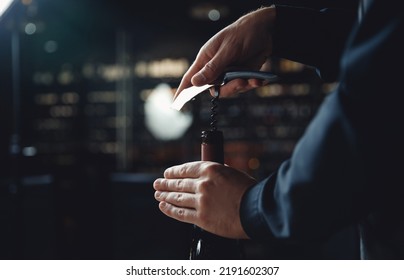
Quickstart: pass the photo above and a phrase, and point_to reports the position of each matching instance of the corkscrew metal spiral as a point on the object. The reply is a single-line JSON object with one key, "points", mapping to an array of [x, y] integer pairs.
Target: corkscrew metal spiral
{"points": [[213, 108]]}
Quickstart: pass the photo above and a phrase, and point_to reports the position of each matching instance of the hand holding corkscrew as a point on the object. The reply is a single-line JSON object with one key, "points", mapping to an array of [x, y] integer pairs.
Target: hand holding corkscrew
{"points": [[189, 93]]}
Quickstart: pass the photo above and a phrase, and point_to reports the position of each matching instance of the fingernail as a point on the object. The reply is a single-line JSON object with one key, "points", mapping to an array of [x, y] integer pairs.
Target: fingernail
{"points": [[156, 183], [157, 194]]}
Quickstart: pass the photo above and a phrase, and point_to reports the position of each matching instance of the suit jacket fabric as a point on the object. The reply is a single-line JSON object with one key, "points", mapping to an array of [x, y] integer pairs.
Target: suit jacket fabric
{"points": [[347, 167]]}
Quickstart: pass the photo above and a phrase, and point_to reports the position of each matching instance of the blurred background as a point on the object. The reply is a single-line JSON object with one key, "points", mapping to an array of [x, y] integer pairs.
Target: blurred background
{"points": [[85, 87]]}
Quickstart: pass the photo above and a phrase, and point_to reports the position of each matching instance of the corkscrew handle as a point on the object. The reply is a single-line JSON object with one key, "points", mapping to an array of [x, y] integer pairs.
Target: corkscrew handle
{"points": [[261, 75]]}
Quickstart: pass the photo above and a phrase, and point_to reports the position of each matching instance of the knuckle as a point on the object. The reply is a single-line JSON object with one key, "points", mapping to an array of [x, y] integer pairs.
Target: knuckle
{"points": [[202, 186], [180, 212], [182, 171], [163, 182], [210, 66], [179, 197], [203, 202], [212, 168], [179, 185]]}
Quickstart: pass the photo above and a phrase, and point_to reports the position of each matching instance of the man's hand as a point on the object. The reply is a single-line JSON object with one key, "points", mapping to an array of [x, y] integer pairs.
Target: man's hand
{"points": [[206, 194], [245, 44]]}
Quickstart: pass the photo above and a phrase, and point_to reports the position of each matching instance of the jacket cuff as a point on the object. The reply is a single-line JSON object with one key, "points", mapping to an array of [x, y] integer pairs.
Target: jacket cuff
{"points": [[251, 216]]}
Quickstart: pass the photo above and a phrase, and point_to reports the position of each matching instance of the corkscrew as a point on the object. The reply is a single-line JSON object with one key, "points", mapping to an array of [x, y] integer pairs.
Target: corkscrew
{"points": [[212, 140], [213, 109], [205, 245]]}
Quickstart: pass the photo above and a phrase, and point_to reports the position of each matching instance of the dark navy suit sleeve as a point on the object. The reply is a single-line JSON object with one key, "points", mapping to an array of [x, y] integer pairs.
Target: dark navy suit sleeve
{"points": [[309, 196], [347, 167]]}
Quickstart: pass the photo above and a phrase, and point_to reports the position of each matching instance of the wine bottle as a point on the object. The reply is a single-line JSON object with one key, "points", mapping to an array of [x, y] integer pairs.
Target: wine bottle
{"points": [[206, 245]]}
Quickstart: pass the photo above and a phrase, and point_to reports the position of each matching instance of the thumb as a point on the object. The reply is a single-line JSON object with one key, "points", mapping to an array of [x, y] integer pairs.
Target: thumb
{"points": [[208, 74]]}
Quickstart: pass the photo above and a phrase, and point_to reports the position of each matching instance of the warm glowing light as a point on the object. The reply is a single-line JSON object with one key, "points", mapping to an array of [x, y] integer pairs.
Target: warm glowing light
{"points": [[70, 97], [103, 97], [254, 163], [162, 68], [286, 65], [329, 87], [113, 72], [209, 11], [65, 77], [63, 111], [46, 99], [45, 78]]}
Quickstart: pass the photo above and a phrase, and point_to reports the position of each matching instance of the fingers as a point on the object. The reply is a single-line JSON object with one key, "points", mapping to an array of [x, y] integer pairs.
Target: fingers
{"points": [[209, 73], [196, 69], [185, 82], [176, 192], [176, 198], [207, 67], [181, 214], [174, 185], [179, 184], [239, 86], [186, 170]]}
